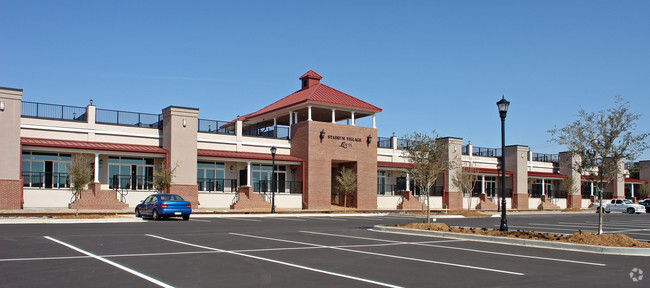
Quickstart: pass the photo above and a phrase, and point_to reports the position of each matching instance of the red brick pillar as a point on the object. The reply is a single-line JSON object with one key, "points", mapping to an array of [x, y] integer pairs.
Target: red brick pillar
{"points": [[10, 194]]}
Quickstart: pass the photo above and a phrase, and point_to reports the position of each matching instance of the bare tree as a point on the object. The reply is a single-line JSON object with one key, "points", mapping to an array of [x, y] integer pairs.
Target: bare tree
{"points": [[428, 158], [163, 177], [465, 179], [644, 192], [79, 176], [602, 140], [347, 182]]}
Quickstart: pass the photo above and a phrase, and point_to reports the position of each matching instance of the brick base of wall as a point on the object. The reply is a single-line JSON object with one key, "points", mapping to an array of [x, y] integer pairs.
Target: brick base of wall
{"points": [[247, 199], [188, 192], [520, 201], [485, 203], [574, 201], [96, 198], [546, 204], [454, 200], [409, 202], [10, 194]]}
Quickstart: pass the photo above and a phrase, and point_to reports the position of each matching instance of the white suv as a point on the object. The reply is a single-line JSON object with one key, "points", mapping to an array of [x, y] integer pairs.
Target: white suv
{"points": [[624, 205]]}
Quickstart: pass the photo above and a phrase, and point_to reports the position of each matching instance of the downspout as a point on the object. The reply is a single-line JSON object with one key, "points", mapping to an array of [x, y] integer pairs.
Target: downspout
{"points": [[304, 203], [444, 190], [22, 181], [514, 200], [167, 168]]}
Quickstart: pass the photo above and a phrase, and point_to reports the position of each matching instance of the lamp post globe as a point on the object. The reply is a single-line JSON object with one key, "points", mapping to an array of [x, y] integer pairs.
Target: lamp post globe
{"points": [[503, 105], [273, 150]]}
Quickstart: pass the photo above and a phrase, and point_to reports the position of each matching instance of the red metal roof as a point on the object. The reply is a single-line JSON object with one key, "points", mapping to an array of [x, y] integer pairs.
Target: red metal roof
{"points": [[487, 171], [311, 74], [246, 155], [89, 145], [318, 93], [546, 174], [394, 165], [635, 180]]}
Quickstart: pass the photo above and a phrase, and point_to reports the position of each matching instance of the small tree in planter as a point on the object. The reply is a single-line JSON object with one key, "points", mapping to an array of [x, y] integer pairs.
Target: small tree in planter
{"points": [[79, 176], [347, 181], [163, 177], [644, 192], [465, 179]]}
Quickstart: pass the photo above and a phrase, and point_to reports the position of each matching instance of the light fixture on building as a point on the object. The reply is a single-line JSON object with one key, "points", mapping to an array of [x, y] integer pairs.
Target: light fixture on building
{"points": [[184, 123], [322, 135], [369, 139], [2, 105], [91, 102], [209, 128], [232, 167]]}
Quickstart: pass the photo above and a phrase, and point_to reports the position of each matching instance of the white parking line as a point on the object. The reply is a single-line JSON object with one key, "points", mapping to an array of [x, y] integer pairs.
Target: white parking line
{"points": [[279, 262], [328, 218], [200, 220], [384, 255], [289, 219], [129, 270], [462, 249], [241, 219]]}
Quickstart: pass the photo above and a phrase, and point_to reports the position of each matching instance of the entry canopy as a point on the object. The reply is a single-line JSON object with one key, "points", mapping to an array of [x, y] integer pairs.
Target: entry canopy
{"points": [[322, 99]]}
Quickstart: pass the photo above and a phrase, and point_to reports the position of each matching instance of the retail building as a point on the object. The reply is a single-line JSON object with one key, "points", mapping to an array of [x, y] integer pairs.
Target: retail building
{"points": [[228, 164]]}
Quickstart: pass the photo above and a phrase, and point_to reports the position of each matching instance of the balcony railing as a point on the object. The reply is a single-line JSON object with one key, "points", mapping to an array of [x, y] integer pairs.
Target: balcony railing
{"points": [[214, 126], [217, 185], [45, 179], [465, 149], [402, 144], [125, 118], [280, 132], [52, 111], [292, 187], [551, 194], [131, 182], [384, 142], [486, 152], [541, 157]]}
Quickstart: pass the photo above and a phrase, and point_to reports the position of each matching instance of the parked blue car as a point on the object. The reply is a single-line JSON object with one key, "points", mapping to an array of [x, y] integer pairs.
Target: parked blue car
{"points": [[159, 206]]}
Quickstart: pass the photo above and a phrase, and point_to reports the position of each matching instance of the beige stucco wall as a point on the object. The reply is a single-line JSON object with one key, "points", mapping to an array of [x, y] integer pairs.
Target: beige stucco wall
{"points": [[517, 162], [387, 202], [181, 142], [10, 140]]}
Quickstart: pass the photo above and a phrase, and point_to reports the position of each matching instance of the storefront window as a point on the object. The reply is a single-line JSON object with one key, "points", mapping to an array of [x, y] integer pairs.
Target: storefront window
{"points": [[130, 173], [210, 176], [45, 170]]}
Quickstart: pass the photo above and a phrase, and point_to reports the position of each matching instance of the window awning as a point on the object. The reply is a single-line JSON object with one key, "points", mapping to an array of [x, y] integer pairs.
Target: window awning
{"points": [[90, 145]]}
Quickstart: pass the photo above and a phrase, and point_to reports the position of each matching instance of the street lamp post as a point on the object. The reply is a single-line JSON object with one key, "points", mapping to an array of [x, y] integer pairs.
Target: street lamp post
{"points": [[503, 110], [273, 150]]}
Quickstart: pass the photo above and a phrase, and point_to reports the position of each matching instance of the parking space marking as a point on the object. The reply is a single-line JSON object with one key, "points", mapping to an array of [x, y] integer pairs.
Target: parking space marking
{"points": [[289, 219], [200, 220], [278, 262], [461, 249], [384, 255], [241, 219], [328, 218], [129, 270]]}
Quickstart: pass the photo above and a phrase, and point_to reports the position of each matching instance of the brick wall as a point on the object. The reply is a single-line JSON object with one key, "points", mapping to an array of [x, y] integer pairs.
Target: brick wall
{"points": [[187, 191], [10, 194], [96, 198], [343, 145]]}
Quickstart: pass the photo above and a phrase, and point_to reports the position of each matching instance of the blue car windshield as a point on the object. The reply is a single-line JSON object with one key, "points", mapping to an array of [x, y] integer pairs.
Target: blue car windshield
{"points": [[170, 197]]}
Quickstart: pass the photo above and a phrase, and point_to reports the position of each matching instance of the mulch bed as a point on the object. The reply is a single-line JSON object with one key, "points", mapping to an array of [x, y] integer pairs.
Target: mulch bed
{"points": [[587, 238]]}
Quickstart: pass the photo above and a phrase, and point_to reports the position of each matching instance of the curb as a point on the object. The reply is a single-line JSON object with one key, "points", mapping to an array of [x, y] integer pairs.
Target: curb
{"points": [[627, 251], [69, 221]]}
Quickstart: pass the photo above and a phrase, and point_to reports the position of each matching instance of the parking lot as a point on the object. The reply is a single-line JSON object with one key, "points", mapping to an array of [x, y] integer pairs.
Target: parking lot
{"points": [[321, 251]]}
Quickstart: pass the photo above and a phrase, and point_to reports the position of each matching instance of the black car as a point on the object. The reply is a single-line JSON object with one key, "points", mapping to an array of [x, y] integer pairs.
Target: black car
{"points": [[646, 203]]}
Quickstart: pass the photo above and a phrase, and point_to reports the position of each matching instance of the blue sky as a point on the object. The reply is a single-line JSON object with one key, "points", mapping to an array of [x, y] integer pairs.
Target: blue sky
{"points": [[429, 64]]}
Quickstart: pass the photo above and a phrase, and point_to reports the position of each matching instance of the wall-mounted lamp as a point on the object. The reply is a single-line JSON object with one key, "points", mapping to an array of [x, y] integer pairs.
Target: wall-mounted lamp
{"points": [[232, 167], [522, 155], [293, 171], [455, 147], [91, 102], [2, 105], [210, 130], [101, 162], [74, 116], [322, 135], [369, 139], [184, 123]]}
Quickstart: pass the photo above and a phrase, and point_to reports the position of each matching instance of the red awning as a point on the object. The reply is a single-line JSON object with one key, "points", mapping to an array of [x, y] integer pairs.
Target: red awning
{"points": [[246, 155], [90, 145], [402, 165], [546, 175], [488, 171]]}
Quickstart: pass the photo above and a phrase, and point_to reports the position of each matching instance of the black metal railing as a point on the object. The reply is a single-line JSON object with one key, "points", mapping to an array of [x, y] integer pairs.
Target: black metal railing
{"points": [[486, 152], [264, 186], [465, 149], [384, 142], [214, 126], [390, 189], [278, 132], [52, 111], [541, 157], [125, 118], [402, 144], [552, 194], [45, 179], [216, 185], [130, 182]]}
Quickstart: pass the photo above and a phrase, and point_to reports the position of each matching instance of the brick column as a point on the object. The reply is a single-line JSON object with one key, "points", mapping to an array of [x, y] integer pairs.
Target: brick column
{"points": [[180, 139], [10, 178]]}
